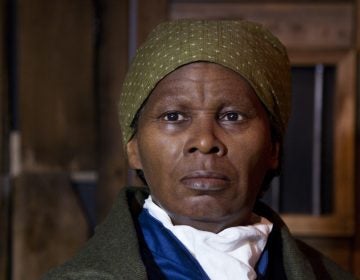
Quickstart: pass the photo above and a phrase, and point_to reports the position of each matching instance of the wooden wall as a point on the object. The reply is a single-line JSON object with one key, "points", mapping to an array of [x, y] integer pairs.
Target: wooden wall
{"points": [[356, 242], [56, 112], [48, 225], [55, 79], [4, 199], [72, 58], [112, 53], [3, 90], [149, 14]]}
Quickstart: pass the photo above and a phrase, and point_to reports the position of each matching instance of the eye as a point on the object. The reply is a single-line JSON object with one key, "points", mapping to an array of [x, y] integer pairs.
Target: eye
{"points": [[173, 116], [231, 117]]}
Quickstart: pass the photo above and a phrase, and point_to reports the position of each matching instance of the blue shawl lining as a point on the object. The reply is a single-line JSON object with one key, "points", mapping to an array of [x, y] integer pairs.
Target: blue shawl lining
{"points": [[171, 257]]}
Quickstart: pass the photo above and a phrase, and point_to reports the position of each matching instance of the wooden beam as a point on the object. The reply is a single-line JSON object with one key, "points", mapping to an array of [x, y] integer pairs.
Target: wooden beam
{"points": [[4, 122], [55, 65], [4, 226], [150, 14], [4, 103], [48, 224], [57, 125], [113, 63], [356, 245], [298, 25]]}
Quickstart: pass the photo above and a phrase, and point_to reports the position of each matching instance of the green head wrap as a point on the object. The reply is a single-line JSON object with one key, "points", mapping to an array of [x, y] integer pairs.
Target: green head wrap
{"points": [[245, 47]]}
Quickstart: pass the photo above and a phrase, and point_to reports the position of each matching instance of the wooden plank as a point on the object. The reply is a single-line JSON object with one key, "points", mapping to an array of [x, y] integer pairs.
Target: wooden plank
{"points": [[357, 24], [56, 85], [4, 120], [299, 26], [48, 224], [4, 190], [4, 226], [150, 14], [356, 245], [344, 138], [336, 225], [113, 63], [307, 58]]}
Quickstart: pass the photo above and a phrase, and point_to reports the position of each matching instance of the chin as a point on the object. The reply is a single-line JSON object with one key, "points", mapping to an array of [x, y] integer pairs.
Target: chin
{"points": [[212, 211]]}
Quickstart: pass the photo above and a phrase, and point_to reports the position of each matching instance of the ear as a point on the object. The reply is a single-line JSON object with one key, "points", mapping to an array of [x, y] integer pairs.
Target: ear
{"points": [[132, 151], [274, 155]]}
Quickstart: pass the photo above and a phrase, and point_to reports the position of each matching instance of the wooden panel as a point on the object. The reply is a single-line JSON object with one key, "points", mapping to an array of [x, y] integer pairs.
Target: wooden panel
{"points": [[113, 63], [356, 244], [48, 224], [150, 14], [304, 58], [4, 226], [356, 247], [56, 84], [299, 26], [344, 138], [357, 24], [4, 198], [3, 92]]}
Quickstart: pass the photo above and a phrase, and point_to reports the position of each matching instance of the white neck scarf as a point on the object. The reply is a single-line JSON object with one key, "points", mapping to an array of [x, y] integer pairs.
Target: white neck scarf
{"points": [[229, 254]]}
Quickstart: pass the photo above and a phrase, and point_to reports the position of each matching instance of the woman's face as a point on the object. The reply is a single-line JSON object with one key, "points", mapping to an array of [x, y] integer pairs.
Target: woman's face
{"points": [[204, 144]]}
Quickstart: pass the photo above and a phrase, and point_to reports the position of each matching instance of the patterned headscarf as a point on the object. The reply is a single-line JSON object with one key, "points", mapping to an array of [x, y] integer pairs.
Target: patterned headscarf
{"points": [[245, 47]]}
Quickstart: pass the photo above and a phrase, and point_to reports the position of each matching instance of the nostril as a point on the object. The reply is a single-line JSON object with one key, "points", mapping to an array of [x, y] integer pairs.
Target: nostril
{"points": [[214, 150], [192, 150]]}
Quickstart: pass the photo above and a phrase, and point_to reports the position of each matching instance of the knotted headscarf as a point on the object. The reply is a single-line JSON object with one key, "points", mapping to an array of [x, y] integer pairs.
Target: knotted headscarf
{"points": [[244, 47]]}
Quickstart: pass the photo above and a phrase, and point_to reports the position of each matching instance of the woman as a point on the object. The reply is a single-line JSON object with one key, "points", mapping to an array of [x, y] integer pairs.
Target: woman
{"points": [[203, 112]]}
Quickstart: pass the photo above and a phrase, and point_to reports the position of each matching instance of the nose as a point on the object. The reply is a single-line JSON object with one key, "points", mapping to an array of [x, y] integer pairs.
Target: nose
{"points": [[204, 138]]}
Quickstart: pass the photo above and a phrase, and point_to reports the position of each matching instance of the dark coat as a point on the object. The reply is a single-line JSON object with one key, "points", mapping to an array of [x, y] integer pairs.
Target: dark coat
{"points": [[114, 253]]}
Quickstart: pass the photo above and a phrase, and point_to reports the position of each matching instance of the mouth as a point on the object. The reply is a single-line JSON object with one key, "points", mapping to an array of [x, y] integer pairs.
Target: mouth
{"points": [[203, 180]]}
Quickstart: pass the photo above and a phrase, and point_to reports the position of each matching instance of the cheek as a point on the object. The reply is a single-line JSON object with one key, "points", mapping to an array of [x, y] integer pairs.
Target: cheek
{"points": [[159, 156], [252, 155]]}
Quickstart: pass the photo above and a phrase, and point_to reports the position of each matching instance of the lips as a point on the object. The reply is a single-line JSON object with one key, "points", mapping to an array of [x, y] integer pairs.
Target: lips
{"points": [[204, 180]]}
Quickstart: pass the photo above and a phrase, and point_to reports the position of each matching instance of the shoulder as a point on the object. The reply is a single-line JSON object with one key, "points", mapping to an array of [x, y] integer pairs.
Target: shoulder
{"points": [[113, 251], [321, 265], [68, 273], [300, 261]]}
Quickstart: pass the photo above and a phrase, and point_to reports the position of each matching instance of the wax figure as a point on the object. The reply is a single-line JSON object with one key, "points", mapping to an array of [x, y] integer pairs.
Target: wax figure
{"points": [[203, 112]]}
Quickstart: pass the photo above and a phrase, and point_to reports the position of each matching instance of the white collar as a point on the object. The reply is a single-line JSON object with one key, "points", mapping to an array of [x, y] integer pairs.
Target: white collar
{"points": [[229, 254]]}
